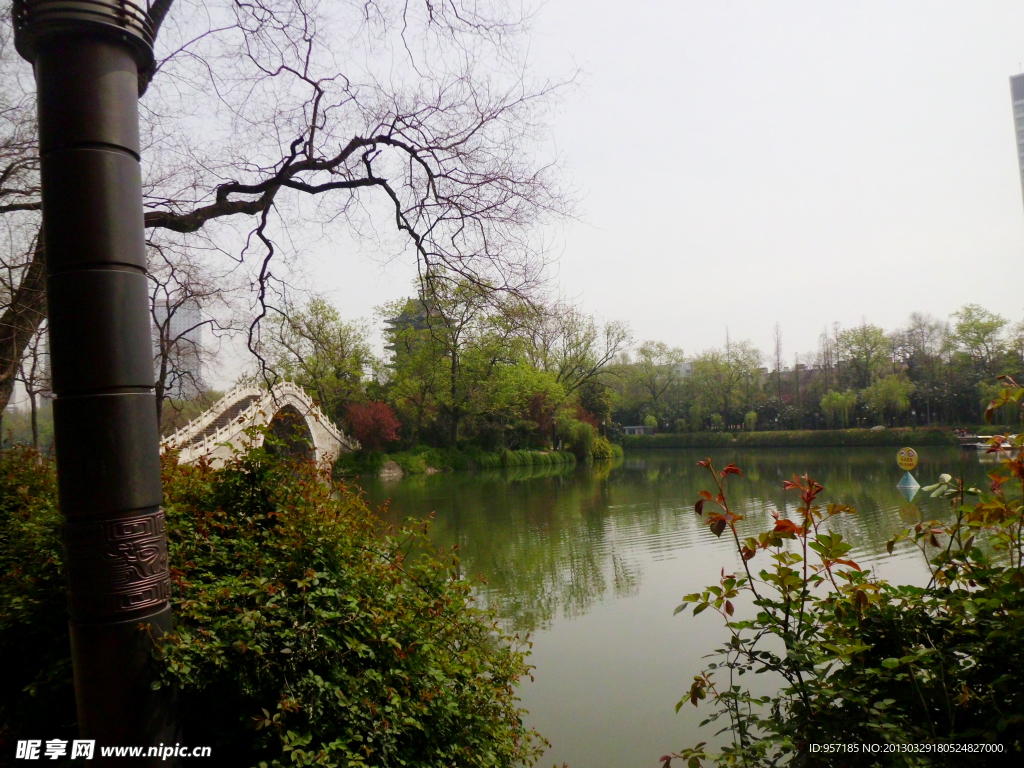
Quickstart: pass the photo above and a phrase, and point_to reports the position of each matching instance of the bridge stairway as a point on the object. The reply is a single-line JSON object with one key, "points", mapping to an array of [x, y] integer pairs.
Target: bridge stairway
{"points": [[226, 421], [225, 418]]}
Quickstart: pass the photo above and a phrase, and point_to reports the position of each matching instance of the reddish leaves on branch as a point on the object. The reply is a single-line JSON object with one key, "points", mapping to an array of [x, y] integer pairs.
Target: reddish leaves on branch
{"points": [[717, 521], [373, 424], [587, 417], [782, 525], [1012, 393], [541, 412], [830, 547], [809, 488]]}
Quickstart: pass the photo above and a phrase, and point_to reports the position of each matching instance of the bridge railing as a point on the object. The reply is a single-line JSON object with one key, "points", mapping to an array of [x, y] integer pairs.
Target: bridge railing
{"points": [[192, 449], [187, 434], [185, 438], [223, 434]]}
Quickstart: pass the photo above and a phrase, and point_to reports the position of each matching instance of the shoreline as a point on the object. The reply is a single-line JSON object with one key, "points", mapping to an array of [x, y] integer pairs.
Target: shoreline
{"points": [[805, 438], [426, 461]]}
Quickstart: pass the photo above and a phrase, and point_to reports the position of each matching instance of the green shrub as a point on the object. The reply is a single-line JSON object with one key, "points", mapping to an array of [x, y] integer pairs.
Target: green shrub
{"points": [[411, 463], [516, 458], [487, 460], [36, 693], [861, 661], [421, 459], [359, 463], [513, 459], [562, 457], [304, 634], [446, 458], [603, 449], [577, 436]]}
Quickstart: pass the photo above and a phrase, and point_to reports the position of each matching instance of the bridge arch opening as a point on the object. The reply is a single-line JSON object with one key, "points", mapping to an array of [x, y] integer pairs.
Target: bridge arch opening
{"points": [[292, 434]]}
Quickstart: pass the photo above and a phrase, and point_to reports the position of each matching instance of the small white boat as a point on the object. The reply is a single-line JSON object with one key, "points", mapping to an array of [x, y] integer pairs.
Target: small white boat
{"points": [[984, 442]]}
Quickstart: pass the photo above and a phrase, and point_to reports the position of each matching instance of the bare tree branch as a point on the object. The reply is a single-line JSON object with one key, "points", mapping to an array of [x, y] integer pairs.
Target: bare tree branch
{"points": [[410, 123]]}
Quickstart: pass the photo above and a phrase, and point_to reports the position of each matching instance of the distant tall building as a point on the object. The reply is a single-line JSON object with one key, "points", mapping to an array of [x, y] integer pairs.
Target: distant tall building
{"points": [[1017, 96], [182, 333]]}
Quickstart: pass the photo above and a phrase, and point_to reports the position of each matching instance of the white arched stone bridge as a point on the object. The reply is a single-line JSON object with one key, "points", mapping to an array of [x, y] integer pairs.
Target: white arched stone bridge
{"points": [[286, 408]]}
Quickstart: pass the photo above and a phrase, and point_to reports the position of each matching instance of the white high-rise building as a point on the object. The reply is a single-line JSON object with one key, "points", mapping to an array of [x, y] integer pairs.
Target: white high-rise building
{"points": [[1017, 96], [183, 337]]}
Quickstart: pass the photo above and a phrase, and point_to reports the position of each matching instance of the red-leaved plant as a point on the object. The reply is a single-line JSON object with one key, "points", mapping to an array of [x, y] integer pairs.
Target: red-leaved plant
{"points": [[374, 425]]}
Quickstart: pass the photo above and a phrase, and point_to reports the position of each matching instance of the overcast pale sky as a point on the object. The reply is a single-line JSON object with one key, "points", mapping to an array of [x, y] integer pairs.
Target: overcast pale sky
{"points": [[751, 162]]}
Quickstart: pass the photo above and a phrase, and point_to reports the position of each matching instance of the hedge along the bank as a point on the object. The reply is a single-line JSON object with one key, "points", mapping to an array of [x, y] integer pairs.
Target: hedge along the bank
{"points": [[837, 438], [419, 460]]}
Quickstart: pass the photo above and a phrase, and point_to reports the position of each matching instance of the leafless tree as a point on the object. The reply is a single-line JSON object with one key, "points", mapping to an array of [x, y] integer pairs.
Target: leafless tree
{"points": [[34, 375], [22, 298], [922, 345], [189, 299], [420, 114], [826, 358], [778, 360], [416, 124], [574, 345]]}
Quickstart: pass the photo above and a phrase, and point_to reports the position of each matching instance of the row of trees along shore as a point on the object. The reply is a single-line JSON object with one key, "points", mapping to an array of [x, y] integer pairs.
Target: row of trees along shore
{"points": [[928, 372], [468, 366]]}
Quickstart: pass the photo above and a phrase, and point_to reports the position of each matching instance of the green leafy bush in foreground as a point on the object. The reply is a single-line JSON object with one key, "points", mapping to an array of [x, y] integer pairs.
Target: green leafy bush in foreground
{"points": [[897, 675], [36, 695], [304, 634]]}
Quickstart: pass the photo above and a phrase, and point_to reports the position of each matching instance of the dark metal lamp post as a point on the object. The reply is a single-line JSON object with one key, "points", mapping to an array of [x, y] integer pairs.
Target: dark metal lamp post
{"points": [[87, 55]]}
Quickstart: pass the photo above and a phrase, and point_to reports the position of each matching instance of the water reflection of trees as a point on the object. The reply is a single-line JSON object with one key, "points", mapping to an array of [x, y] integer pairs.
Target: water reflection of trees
{"points": [[863, 478], [538, 536], [557, 540]]}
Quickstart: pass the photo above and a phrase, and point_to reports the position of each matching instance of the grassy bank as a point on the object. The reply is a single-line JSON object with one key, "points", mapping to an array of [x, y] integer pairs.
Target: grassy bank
{"points": [[839, 438], [421, 460]]}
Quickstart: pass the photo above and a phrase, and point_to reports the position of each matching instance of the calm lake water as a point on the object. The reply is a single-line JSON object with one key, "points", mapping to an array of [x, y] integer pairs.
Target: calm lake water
{"points": [[593, 560]]}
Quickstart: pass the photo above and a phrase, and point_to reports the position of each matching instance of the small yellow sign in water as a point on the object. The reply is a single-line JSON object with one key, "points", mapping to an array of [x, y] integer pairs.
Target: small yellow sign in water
{"points": [[907, 458]]}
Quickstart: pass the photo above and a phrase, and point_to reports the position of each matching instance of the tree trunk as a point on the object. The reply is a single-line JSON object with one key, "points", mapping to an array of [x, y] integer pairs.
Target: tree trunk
{"points": [[799, 406], [453, 428], [35, 421], [159, 390], [453, 435], [21, 320]]}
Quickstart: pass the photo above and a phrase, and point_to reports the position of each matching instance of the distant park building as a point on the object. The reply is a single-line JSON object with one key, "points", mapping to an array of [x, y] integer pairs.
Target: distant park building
{"points": [[179, 329], [415, 316], [1017, 96], [638, 430]]}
